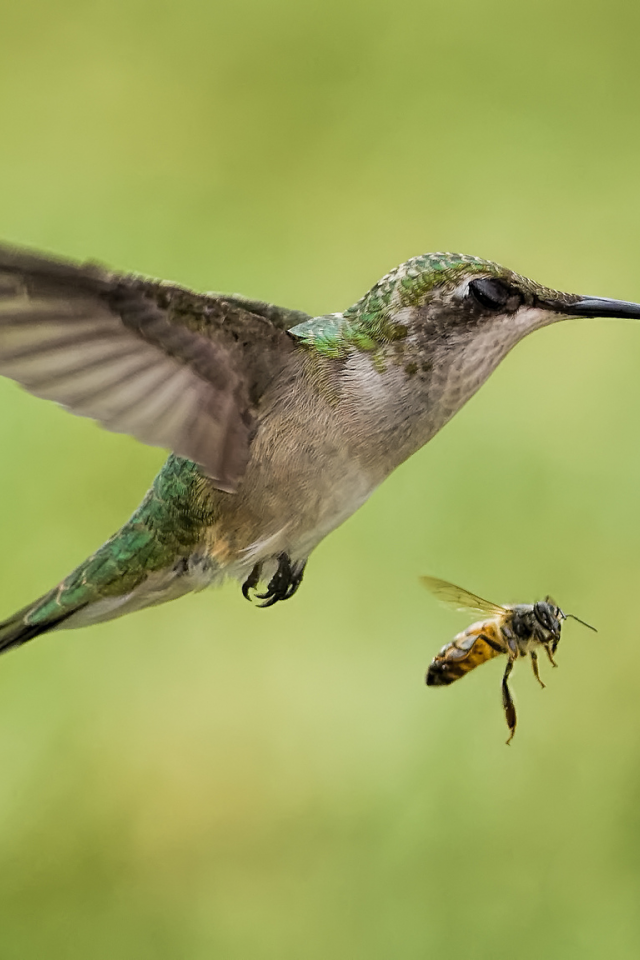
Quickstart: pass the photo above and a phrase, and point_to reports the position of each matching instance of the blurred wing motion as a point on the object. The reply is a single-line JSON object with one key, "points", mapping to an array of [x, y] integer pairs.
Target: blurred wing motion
{"points": [[174, 368], [461, 599]]}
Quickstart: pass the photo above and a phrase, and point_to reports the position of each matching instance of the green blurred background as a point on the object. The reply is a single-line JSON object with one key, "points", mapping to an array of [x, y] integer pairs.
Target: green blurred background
{"points": [[211, 780]]}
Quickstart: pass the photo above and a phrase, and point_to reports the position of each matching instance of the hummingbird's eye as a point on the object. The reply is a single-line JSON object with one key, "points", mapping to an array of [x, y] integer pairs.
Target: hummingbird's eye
{"points": [[494, 294]]}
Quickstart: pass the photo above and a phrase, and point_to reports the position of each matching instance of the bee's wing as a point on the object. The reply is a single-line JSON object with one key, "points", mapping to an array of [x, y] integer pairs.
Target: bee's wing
{"points": [[461, 599]]}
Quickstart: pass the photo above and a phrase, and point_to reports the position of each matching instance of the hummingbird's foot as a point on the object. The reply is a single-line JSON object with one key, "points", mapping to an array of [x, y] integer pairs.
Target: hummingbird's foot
{"points": [[251, 582], [283, 583]]}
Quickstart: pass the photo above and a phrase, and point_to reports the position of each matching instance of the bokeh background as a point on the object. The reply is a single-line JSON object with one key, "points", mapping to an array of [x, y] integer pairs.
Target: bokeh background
{"points": [[211, 780]]}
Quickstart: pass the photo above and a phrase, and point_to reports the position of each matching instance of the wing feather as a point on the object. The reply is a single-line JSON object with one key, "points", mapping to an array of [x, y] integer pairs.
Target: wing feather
{"points": [[174, 368]]}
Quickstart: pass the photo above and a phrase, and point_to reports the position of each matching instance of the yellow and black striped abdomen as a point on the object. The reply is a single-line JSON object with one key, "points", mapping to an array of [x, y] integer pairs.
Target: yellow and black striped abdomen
{"points": [[466, 652]]}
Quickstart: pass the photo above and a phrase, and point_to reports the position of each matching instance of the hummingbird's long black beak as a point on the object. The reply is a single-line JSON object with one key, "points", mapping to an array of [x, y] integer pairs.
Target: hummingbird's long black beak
{"points": [[598, 307]]}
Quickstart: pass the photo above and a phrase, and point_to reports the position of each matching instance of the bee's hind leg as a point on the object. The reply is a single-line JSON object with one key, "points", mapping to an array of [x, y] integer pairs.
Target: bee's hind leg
{"points": [[507, 702], [534, 666]]}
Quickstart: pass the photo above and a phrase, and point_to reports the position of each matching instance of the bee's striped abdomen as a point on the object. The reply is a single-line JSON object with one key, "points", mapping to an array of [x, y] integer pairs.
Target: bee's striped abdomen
{"points": [[465, 652]]}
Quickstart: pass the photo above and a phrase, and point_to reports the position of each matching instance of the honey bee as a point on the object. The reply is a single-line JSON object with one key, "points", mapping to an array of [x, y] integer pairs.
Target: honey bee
{"points": [[517, 630]]}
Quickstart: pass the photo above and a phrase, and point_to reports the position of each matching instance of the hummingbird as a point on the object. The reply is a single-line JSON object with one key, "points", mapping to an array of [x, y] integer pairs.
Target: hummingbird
{"points": [[280, 424]]}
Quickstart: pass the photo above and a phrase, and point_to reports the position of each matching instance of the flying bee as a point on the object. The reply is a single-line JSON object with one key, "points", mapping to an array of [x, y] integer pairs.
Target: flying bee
{"points": [[517, 630]]}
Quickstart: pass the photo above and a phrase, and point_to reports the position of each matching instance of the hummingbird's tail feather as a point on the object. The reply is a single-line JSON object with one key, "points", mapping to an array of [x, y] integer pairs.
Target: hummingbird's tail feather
{"points": [[156, 556], [18, 629]]}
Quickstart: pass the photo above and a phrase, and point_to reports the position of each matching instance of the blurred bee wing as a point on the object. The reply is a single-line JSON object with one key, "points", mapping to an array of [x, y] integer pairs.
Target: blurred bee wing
{"points": [[175, 369], [460, 599]]}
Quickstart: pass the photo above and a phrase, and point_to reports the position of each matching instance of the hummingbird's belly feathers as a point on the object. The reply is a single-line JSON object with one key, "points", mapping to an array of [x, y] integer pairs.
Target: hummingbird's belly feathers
{"points": [[319, 453], [303, 479]]}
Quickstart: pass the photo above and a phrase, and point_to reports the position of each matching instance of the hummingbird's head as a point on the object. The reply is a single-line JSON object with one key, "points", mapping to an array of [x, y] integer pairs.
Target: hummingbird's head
{"points": [[423, 340], [455, 298], [452, 300]]}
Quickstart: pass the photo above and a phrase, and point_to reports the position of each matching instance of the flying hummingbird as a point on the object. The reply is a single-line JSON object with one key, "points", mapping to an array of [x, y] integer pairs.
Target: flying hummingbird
{"points": [[280, 424]]}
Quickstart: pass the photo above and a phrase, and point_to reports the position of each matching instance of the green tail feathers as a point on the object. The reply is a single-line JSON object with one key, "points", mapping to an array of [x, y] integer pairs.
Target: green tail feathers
{"points": [[166, 527], [18, 629]]}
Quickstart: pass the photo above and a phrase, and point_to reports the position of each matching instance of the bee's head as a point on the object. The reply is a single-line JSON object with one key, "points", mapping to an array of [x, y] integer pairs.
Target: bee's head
{"points": [[549, 616]]}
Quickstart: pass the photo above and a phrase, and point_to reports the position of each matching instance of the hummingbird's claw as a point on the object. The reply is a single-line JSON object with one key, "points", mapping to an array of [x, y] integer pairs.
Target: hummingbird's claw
{"points": [[283, 583], [251, 582]]}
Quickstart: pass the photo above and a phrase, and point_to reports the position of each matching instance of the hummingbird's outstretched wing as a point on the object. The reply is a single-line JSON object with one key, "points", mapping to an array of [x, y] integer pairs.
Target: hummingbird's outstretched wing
{"points": [[174, 368]]}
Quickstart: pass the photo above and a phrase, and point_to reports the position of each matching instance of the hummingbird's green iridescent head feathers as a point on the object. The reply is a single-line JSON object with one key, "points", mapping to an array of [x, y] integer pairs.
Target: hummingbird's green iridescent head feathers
{"points": [[454, 291]]}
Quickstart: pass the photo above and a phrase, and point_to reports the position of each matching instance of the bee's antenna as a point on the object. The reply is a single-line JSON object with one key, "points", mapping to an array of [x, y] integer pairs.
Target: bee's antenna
{"points": [[583, 622]]}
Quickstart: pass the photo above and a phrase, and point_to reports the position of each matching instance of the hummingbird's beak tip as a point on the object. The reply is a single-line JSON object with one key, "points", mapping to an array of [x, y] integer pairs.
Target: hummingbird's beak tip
{"points": [[599, 307]]}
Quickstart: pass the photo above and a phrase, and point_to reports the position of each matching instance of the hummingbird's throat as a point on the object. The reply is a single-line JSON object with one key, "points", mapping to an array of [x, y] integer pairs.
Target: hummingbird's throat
{"points": [[460, 370]]}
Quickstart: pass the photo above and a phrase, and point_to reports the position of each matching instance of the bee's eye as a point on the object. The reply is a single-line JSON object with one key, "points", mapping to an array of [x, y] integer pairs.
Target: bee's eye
{"points": [[493, 294], [543, 616]]}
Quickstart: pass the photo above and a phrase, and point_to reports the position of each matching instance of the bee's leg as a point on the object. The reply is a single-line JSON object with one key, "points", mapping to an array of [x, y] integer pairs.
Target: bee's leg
{"points": [[534, 664], [550, 655], [507, 702], [512, 645]]}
